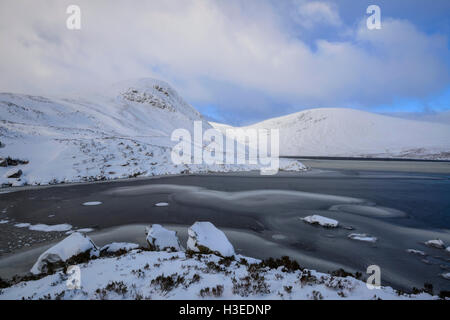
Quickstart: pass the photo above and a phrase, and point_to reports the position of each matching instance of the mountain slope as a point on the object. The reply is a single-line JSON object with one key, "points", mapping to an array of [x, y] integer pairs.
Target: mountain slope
{"points": [[117, 132], [348, 132]]}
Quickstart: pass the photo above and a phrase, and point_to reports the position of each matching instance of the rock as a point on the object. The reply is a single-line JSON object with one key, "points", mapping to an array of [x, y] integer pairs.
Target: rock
{"points": [[161, 239], [446, 275], [362, 237], [418, 252], [13, 173], [3, 163], [72, 246], [439, 244], [323, 221], [118, 246], [204, 237]]}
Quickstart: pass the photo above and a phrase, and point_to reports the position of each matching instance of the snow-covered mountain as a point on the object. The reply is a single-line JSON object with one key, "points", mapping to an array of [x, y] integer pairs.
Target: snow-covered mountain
{"points": [[348, 132], [116, 132]]}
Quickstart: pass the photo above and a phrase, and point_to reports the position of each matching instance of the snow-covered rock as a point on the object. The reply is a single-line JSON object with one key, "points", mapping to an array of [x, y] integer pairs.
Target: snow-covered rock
{"points": [[204, 237], [118, 246], [446, 275], [92, 203], [71, 246], [362, 237], [323, 221], [161, 239], [448, 249], [437, 243], [417, 252]]}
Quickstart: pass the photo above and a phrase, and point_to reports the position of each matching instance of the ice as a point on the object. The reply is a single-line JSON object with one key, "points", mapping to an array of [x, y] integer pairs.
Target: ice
{"points": [[71, 246], [323, 221], [160, 239], [205, 237], [362, 237], [439, 244]]}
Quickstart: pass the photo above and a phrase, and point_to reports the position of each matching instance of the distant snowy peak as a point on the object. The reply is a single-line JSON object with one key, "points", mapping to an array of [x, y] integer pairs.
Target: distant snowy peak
{"points": [[348, 132]]}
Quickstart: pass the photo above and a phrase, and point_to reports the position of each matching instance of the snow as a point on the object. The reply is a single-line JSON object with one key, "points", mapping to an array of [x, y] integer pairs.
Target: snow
{"points": [[82, 230], [161, 204], [118, 246], [323, 221], [120, 131], [448, 249], [160, 239], [134, 273], [22, 225], [44, 227], [446, 275], [204, 236], [4, 221], [435, 243], [362, 237], [355, 133], [418, 252], [141, 277], [71, 246], [50, 228], [92, 203]]}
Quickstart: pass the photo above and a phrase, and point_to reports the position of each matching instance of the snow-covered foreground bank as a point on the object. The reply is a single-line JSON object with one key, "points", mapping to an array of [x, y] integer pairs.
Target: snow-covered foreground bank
{"points": [[123, 271], [117, 132]]}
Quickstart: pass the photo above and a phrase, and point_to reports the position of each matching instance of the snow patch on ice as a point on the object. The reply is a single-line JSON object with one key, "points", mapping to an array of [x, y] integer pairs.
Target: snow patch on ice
{"points": [[161, 204], [92, 203], [50, 228], [362, 237], [437, 243], [320, 220]]}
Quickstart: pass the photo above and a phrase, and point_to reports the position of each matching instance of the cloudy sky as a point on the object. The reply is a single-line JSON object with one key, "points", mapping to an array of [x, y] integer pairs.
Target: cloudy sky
{"points": [[237, 61]]}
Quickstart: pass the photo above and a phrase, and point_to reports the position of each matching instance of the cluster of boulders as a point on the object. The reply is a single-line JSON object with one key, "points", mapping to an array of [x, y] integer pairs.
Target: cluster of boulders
{"points": [[14, 173], [204, 238]]}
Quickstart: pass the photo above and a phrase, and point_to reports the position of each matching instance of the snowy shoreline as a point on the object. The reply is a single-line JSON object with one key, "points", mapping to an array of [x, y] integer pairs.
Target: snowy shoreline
{"points": [[126, 271]]}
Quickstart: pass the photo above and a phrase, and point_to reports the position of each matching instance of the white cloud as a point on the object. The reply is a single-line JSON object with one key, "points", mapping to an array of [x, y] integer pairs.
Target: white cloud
{"points": [[193, 43], [313, 13]]}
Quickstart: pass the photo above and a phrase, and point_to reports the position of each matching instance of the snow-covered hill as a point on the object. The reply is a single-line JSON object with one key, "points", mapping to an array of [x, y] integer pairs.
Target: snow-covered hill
{"points": [[116, 132], [348, 132]]}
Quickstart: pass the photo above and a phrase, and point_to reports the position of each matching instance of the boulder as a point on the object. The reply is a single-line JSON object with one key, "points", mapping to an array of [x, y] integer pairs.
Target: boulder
{"points": [[13, 173], [161, 239], [204, 237], [70, 247], [439, 244]]}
